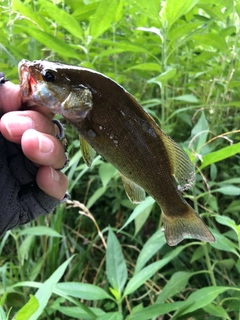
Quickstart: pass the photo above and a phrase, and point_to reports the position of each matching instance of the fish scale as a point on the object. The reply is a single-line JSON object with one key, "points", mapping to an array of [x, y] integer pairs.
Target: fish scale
{"points": [[111, 122]]}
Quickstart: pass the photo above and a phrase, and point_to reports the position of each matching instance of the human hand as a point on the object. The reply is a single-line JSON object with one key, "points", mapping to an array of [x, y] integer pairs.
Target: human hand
{"points": [[36, 134]]}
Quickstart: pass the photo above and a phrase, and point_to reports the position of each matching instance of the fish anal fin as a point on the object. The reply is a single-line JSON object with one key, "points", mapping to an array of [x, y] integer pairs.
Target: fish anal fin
{"points": [[135, 193], [88, 152], [182, 167], [190, 224]]}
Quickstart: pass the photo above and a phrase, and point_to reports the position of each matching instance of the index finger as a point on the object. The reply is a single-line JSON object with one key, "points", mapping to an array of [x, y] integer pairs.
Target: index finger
{"points": [[11, 100]]}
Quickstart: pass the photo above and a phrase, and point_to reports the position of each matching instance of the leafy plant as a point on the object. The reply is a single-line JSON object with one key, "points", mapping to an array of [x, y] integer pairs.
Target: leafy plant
{"points": [[180, 60]]}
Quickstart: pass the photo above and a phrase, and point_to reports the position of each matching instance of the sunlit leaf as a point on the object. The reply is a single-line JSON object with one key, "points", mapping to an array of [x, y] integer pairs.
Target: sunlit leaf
{"points": [[115, 263]]}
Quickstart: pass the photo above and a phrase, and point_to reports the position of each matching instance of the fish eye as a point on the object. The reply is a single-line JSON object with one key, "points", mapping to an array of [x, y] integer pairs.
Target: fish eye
{"points": [[48, 76]]}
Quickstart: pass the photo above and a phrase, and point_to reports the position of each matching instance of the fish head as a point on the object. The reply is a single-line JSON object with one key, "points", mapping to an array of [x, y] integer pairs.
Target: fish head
{"points": [[49, 84]]}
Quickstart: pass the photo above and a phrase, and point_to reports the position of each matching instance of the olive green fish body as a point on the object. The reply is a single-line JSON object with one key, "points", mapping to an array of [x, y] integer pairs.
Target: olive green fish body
{"points": [[115, 125]]}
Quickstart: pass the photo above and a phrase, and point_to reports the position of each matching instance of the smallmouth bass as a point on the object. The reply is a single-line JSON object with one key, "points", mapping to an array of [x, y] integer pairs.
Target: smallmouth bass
{"points": [[111, 122]]}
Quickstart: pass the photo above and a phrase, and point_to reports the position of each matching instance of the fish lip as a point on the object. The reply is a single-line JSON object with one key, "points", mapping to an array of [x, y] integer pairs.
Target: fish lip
{"points": [[27, 83]]}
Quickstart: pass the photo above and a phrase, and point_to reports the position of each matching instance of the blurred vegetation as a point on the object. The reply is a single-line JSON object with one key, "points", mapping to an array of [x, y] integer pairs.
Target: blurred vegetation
{"points": [[180, 59]]}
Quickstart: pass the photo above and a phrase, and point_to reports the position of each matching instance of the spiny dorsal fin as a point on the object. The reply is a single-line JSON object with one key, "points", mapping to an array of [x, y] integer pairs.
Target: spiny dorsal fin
{"points": [[135, 193], [182, 167], [88, 152]]}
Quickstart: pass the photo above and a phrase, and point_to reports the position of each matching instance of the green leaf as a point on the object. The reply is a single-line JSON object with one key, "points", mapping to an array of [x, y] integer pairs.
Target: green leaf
{"points": [[154, 243], [155, 310], [78, 312], [211, 40], [40, 231], [200, 299], [2, 314], [216, 311], [219, 155], [149, 8], [224, 244], [59, 46], [27, 12], [146, 67], [173, 10], [146, 273], [200, 132], [110, 316], [103, 17], [45, 291], [187, 98], [62, 18], [229, 190], [176, 284], [106, 172], [164, 77], [228, 222], [84, 291], [145, 205], [96, 195], [115, 263], [28, 309]]}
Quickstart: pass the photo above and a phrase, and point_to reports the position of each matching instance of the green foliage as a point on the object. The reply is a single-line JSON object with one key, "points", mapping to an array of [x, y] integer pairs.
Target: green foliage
{"points": [[180, 60]]}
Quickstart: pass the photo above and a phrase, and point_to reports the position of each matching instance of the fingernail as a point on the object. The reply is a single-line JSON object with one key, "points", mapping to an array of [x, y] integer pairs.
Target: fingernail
{"points": [[55, 175], [45, 144], [19, 125]]}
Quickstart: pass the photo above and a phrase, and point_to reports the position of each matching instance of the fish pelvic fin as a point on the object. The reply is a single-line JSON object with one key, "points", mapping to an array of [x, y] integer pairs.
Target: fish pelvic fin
{"points": [[189, 224]]}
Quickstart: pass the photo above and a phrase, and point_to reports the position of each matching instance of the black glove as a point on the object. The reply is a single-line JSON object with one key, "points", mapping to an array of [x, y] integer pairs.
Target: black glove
{"points": [[20, 198]]}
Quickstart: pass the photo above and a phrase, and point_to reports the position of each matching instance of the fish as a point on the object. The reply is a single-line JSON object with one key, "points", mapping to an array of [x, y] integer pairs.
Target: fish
{"points": [[112, 123]]}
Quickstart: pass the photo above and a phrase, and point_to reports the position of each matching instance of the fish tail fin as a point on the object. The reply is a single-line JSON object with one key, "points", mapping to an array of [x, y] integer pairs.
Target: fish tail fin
{"points": [[189, 224]]}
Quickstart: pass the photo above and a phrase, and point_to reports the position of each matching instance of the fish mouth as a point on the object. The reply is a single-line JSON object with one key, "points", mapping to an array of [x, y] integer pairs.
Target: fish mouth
{"points": [[27, 82]]}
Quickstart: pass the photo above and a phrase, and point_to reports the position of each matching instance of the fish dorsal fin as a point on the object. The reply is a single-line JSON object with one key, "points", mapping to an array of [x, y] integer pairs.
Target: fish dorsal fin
{"points": [[88, 152], [135, 193], [182, 167]]}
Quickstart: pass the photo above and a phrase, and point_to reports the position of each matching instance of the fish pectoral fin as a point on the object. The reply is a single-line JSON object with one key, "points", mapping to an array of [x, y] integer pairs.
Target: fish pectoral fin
{"points": [[135, 193], [189, 224], [182, 167], [88, 152]]}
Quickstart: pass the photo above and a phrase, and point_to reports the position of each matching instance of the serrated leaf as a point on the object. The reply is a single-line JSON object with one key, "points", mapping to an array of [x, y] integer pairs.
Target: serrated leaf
{"points": [[173, 10], [115, 263], [103, 17], [150, 8], [84, 291], [62, 18]]}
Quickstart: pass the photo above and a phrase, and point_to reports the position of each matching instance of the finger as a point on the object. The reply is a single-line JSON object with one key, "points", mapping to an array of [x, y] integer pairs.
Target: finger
{"points": [[43, 149], [14, 124], [10, 98], [52, 182]]}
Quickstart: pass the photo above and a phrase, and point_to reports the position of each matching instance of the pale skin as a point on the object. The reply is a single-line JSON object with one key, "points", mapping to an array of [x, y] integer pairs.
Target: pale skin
{"points": [[36, 133]]}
